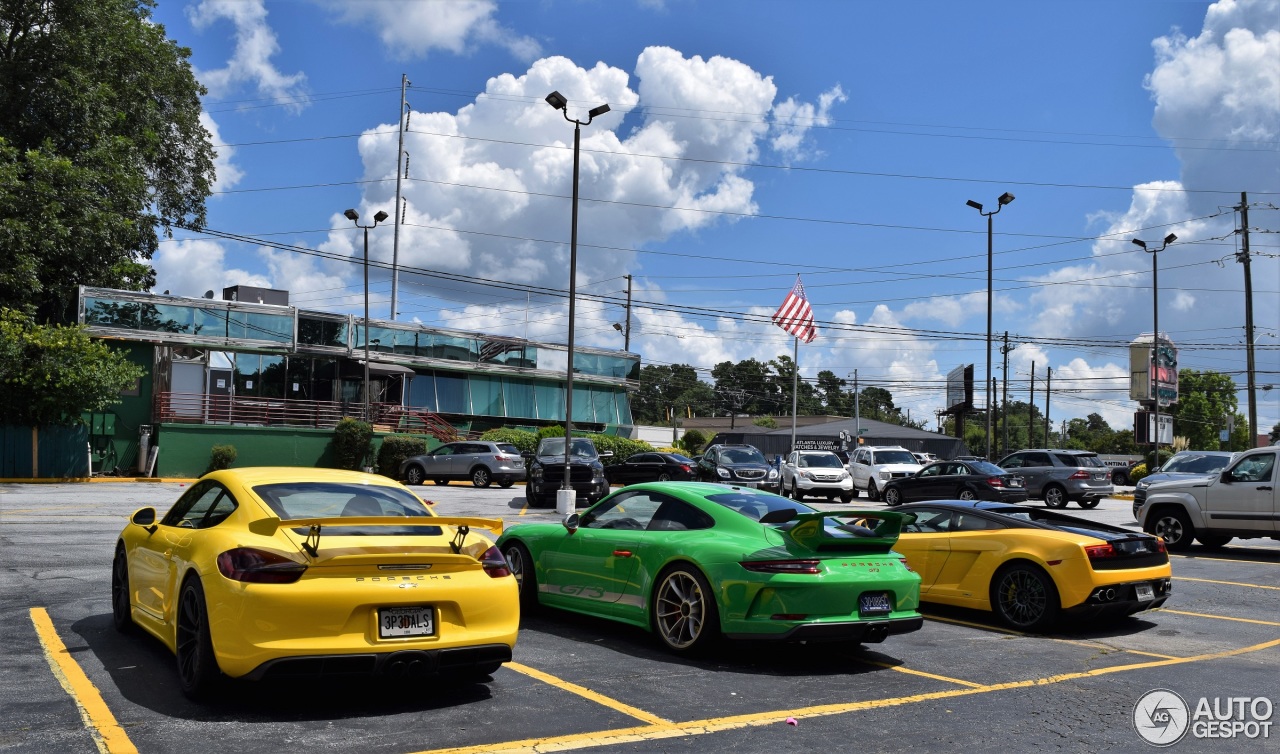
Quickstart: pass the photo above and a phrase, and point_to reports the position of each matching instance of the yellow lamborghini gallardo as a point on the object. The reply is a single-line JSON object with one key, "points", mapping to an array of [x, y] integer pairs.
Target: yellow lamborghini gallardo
{"points": [[307, 573], [1031, 566]]}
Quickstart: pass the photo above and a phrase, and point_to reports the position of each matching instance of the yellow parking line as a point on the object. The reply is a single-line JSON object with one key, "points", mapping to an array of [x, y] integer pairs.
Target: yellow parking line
{"points": [[107, 734], [1228, 583], [1011, 632], [757, 719], [524, 508], [921, 673], [587, 693], [1221, 617]]}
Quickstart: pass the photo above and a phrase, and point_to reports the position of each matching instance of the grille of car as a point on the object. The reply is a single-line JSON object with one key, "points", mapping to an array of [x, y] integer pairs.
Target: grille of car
{"points": [[832, 477], [898, 474], [749, 474], [576, 473]]}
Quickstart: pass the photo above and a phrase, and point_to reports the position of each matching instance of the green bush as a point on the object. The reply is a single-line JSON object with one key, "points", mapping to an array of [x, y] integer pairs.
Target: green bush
{"points": [[396, 448], [1165, 455], [692, 442], [221, 457], [1137, 473], [527, 442], [621, 447], [555, 430], [352, 442]]}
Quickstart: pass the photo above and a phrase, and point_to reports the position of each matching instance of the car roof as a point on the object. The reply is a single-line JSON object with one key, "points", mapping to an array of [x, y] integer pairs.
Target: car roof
{"points": [[250, 475]]}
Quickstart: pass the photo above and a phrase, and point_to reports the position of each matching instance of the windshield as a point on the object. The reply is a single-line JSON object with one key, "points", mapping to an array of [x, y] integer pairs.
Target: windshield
{"points": [[579, 448], [755, 505], [821, 461], [1195, 464], [895, 456], [983, 467], [294, 500], [741, 455]]}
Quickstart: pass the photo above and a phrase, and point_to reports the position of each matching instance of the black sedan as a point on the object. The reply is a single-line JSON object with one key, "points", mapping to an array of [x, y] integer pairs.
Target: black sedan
{"points": [[651, 467], [957, 480]]}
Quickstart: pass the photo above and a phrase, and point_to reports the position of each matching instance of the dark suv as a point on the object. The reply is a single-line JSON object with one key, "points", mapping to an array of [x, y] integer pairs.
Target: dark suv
{"points": [[1061, 475], [742, 465], [546, 471]]}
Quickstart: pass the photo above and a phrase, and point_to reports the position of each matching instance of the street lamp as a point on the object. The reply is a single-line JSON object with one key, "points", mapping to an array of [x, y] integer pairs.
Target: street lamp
{"points": [[354, 217], [1004, 199], [566, 498], [1155, 338]]}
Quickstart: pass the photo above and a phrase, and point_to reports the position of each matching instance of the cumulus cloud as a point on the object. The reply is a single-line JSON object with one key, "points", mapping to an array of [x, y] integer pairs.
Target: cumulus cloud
{"points": [[250, 64], [792, 121], [226, 172], [191, 267], [412, 30]]}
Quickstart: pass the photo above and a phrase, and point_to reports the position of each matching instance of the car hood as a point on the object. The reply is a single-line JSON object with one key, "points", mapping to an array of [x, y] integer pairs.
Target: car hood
{"points": [[910, 468], [1173, 476]]}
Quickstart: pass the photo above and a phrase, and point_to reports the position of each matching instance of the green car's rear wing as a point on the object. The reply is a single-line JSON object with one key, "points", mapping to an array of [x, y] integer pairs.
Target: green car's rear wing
{"points": [[856, 530]]}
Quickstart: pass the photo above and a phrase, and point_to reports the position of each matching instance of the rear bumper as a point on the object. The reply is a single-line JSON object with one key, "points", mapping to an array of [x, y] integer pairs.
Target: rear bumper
{"points": [[865, 631], [410, 663], [1116, 600]]}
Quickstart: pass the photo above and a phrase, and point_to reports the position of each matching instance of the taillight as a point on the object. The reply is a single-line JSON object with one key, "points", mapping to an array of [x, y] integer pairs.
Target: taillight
{"points": [[1081, 474], [494, 564], [259, 567], [995, 481], [782, 566], [1101, 552], [1160, 545], [686, 467]]}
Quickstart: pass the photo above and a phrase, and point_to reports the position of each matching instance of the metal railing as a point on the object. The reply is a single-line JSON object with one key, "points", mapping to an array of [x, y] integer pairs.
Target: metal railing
{"points": [[201, 408]]}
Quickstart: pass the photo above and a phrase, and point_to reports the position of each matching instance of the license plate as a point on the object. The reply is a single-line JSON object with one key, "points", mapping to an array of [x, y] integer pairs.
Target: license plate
{"points": [[1015, 482], [406, 621], [874, 603], [1145, 593]]}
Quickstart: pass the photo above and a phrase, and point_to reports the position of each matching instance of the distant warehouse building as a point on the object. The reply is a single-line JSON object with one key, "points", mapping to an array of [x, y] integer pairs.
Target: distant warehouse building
{"points": [[273, 379]]}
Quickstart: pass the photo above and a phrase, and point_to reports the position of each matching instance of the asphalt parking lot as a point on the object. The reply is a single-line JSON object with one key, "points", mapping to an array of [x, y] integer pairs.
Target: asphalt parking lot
{"points": [[72, 684]]}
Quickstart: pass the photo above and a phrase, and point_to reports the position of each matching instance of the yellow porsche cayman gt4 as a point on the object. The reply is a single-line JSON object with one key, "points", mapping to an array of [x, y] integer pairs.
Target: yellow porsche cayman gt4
{"points": [[1031, 566], [306, 573]]}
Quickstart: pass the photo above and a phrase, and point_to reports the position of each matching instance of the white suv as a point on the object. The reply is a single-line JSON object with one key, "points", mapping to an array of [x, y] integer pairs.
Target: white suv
{"points": [[872, 467], [820, 473]]}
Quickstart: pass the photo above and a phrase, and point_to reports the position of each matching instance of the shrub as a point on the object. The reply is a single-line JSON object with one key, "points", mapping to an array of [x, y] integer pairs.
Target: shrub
{"points": [[621, 447], [527, 442], [1137, 472], [396, 448], [352, 441], [765, 421], [555, 430], [692, 442], [221, 457]]}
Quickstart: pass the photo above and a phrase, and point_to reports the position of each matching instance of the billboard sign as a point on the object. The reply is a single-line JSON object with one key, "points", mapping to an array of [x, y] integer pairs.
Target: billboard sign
{"points": [[1147, 366], [960, 388]]}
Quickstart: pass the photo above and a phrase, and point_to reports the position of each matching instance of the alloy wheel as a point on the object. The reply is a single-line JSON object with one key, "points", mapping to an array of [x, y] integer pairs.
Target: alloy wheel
{"points": [[680, 610]]}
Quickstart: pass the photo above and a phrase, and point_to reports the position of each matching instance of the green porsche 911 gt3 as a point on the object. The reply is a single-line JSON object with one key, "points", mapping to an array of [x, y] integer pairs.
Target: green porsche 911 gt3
{"points": [[691, 561]]}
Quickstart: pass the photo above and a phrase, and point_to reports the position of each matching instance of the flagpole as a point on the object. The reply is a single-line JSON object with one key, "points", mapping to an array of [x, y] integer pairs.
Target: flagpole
{"points": [[795, 381]]}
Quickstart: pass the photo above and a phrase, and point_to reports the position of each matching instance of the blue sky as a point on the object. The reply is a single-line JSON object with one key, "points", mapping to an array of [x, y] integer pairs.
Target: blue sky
{"points": [[749, 142]]}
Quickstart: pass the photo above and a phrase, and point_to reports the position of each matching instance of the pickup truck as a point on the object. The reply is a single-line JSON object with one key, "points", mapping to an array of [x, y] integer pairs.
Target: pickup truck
{"points": [[1239, 502]]}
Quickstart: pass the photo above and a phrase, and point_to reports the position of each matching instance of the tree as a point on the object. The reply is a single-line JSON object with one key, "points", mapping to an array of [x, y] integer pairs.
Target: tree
{"points": [[52, 374], [1205, 402], [1275, 433], [744, 387], [807, 400], [101, 148], [837, 401], [665, 388]]}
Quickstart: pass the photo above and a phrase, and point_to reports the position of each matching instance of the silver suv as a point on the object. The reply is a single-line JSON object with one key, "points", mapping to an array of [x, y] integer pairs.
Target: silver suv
{"points": [[483, 463], [1059, 476], [816, 472]]}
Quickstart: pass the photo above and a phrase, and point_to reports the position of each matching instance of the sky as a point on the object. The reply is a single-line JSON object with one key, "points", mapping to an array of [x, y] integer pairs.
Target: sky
{"points": [[748, 143]]}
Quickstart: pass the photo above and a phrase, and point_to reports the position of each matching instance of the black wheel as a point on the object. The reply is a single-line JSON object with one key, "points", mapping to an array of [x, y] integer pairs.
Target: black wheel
{"points": [[892, 496], [1024, 597], [1121, 478], [873, 492], [853, 492], [796, 494], [1055, 496], [683, 609], [440, 482], [198, 672], [521, 564], [1090, 503], [121, 601], [480, 477], [965, 494], [506, 484], [846, 497], [1213, 541], [1173, 526], [664, 477], [414, 475]]}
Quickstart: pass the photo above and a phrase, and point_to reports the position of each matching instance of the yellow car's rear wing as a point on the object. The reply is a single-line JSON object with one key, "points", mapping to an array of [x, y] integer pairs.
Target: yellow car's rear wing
{"points": [[462, 524]]}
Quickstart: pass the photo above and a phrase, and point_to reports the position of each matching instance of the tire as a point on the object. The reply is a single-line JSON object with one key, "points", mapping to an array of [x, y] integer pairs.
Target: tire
{"points": [[440, 482], [1024, 597], [1090, 503], [1173, 526], [506, 484], [121, 601], [521, 564], [529, 498], [198, 673], [683, 610], [965, 494], [854, 492], [873, 493], [1120, 478], [664, 477], [414, 475], [796, 494], [1213, 541], [480, 477], [846, 497], [892, 497], [1055, 496]]}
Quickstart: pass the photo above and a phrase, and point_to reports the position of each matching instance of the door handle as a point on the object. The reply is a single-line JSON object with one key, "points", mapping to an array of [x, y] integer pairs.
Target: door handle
{"points": [[622, 553], [1264, 489]]}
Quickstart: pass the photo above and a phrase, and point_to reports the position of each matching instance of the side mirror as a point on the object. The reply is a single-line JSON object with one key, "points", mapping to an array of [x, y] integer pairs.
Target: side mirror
{"points": [[143, 517], [606, 454], [1225, 478], [571, 522]]}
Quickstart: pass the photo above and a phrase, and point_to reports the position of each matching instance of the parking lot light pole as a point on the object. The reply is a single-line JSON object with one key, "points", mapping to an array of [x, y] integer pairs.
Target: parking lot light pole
{"points": [[1155, 339], [566, 498], [354, 217], [1004, 199]]}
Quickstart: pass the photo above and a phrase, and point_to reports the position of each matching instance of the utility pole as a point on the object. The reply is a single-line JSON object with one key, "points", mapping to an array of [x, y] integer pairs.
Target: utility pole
{"points": [[627, 333], [1048, 383], [857, 410], [1004, 401], [1243, 258], [1031, 409], [991, 424], [403, 124]]}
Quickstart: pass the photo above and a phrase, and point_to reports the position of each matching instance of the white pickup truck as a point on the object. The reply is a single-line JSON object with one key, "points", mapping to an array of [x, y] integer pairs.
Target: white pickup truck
{"points": [[1240, 502]]}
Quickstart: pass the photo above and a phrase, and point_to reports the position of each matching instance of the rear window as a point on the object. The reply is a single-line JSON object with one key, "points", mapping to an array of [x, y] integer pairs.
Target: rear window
{"points": [[1072, 459], [754, 505], [294, 500], [983, 467], [507, 448]]}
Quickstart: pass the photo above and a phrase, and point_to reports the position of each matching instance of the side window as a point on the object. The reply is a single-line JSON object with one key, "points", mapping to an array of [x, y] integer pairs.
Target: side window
{"points": [[1067, 459], [963, 522], [180, 508], [1038, 459], [862, 458], [224, 507], [193, 516], [931, 470], [930, 522], [443, 450], [677, 515], [631, 511], [1254, 468], [1012, 462]]}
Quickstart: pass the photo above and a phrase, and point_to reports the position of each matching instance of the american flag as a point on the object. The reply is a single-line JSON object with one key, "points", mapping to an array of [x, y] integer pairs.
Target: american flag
{"points": [[795, 316]]}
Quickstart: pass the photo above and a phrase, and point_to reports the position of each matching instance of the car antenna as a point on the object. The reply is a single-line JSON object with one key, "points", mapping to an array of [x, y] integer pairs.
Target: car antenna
{"points": [[459, 538]]}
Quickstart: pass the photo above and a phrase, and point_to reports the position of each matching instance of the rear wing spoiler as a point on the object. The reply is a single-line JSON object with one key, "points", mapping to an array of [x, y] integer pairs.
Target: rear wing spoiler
{"points": [[270, 525], [870, 528]]}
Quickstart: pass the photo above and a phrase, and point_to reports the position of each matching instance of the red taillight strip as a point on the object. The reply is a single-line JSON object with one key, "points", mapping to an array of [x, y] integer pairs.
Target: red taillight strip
{"points": [[494, 563], [253, 566], [782, 566], [1101, 552]]}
